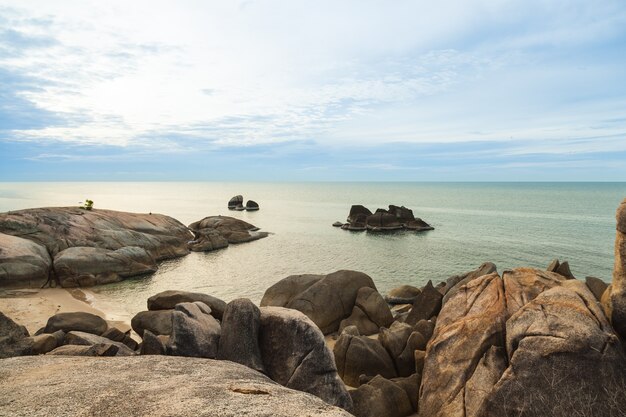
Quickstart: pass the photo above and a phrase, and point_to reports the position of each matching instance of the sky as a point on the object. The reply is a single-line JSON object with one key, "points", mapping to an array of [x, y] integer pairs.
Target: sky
{"points": [[351, 90]]}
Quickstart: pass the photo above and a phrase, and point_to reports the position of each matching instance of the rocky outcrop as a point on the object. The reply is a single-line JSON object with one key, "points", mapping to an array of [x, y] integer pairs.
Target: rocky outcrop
{"points": [[87, 266], [147, 385], [396, 218], [525, 284], [455, 282], [326, 300], [23, 262], [216, 232], [618, 286], [295, 355]]}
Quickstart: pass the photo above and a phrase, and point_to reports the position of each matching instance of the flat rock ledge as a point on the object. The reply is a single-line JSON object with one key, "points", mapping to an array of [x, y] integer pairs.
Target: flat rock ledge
{"points": [[146, 386]]}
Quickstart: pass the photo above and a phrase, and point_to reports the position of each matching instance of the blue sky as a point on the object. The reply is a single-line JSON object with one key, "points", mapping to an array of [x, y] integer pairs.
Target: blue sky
{"points": [[293, 90]]}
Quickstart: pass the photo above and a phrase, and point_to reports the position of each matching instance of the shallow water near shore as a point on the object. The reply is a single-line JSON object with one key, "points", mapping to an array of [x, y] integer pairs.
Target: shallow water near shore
{"points": [[510, 224]]}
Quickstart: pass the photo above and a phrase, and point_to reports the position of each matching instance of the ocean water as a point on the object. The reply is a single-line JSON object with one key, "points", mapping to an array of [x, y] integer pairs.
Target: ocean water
{"points": [[510, 224]]}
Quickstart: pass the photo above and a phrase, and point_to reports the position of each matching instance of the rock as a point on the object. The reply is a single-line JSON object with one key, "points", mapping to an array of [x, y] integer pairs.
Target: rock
{"points": [[156, 386], [23, 262], [394, 339], [59, 335], [404, 294], [114, 334], [167, 300], [522, 285], [361, 321], [207, 240], [405, 362], [398, 309], [239, 341], [564, 359], [381, 398], [231, 229], [410, 385], [358, 355], [88, 339], [236, 201], [596, 286], [152, 345], [425, 327], [326, 300], [59, 228], [44, 343], [370, 312], [88, 266], [554, 266], [487, 373], [76, 321], [194, 333], [358, 213], [100, 349], [427, 304], [618, 286], [296, 356], [14, 339], [470, 323], [157, 321], [351, 330], [455, 282], [564, 270], [337, 224], [381, 221], [420, 357], [252, 205]]}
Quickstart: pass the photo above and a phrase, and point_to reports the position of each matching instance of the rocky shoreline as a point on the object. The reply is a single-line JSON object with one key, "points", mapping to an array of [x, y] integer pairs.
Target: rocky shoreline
{"points": [[522, 342]]}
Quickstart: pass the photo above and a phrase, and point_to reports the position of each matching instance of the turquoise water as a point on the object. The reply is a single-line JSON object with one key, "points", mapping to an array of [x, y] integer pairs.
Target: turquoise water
{"points": [[510, 224]]}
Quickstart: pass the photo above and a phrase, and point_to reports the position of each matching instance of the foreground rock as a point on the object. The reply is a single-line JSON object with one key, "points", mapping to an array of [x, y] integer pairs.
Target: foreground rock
{"points": [[217, 232], [60, 228], [325, 299], [14, 339], [157, 386], [23, 262]]}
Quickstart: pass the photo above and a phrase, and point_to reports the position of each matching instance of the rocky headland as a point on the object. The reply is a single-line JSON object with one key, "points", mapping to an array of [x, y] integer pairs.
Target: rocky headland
{"points": [[361, 218], [520, 342]]}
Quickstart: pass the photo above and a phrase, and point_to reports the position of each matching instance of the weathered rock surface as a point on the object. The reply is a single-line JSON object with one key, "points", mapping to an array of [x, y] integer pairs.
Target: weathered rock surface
{"points": [[152, 344], [156, 386], [88, 339], [100, 349], [381, 397], [360, 355], [326, 300], [456, 281], [239, 341], [618, 286], [76, 321], [404, 294], [167, 300], [426, 305], [159, 322], [361, 218], [564, 359], [14, 339], [88, 266], [235, 202], [522, 285], [252, 205], [195, 333], [596, 286], [295, 355], [23, 262], [470, 323], [230, 229], [370, 312]]}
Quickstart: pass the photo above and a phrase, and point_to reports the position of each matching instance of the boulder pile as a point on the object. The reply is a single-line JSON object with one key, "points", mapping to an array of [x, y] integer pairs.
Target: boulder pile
{"points": [[395, 218]]}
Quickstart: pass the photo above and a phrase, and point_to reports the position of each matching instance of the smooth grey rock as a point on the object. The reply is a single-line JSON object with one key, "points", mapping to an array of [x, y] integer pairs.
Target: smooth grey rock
{"points": [[44, 343], [239, 341], [231, 229], [167, 300], [76, 321], [157, 321], [381, 397], [152, 344], [23, 262], [360, 355], [194, 333], [99, 349]]}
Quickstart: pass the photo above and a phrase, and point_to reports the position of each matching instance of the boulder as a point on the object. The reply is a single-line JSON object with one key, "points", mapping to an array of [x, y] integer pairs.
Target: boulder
{"points": [[358, 213], [76, 321], [88, 266], [564, 359], [554, 265], [167, 300], [296, 356], [152, 344], [88, 339], [59, 228], [239, 341], [404, 294], [426, 328], [410, 385], [44, 343], [156, 386], [596, 286], [405, 361], [426, 305], [157, 321], [522, 285], [326, 300], [23, 263], [114, 334], [206, 240], [236, 201], [337, 224], [564, 270], [487, 373], [618, 285], [360, 321], [252, 205], [394, 338], [462, 279], [194, 332], [370, 312], [381, 397], [382, 220], [360, 355], [100, 349], [14, 339], [231, 229], [470, 323]]}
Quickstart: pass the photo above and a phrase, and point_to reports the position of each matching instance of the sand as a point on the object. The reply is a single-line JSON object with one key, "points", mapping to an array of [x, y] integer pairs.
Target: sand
{"points": [[32, 307]]}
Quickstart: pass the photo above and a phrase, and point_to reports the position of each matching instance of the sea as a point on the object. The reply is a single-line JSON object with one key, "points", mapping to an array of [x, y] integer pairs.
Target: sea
{"points": [[510, 224]]}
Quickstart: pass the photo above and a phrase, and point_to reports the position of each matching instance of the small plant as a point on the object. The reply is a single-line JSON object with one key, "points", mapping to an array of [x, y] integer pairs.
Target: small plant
{"points": [[88, 205]]}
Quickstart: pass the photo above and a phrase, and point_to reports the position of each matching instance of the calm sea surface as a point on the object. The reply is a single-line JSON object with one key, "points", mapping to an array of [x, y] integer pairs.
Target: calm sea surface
{"points": [[510, 224]]}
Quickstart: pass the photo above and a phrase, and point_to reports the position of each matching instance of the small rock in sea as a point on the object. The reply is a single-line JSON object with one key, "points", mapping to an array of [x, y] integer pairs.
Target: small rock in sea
{"points": [[236, 201], [252, 205], [337, 224]]}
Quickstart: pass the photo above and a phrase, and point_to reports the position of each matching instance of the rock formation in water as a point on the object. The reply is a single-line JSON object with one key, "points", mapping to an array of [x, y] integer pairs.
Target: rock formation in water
{"points": [[396, 218], [216, 232], [236, 203]]}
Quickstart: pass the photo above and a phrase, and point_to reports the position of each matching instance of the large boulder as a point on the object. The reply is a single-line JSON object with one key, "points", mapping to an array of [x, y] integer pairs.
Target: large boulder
{"points": [[326, 300], [76, 321], [618, 286], [381, 397], [88, 266], [232, 230], [383, 220], [523, 285], [564, 359], [194, 332], [235, 202], [358, 213], [239, 341], [159, 322], [167, 300], [426, 305], [59, 228], [370, 312], [469, 324], [14, 339], [404, 294], [596, 286], [23, 263], [206, 240], [455, 282], [295, 355], [156, 386], [360, 355]]}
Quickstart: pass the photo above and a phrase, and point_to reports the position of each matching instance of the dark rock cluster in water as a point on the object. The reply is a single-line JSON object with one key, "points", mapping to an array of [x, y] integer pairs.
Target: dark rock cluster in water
{"points": [[396, 218], [236, 203]]}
